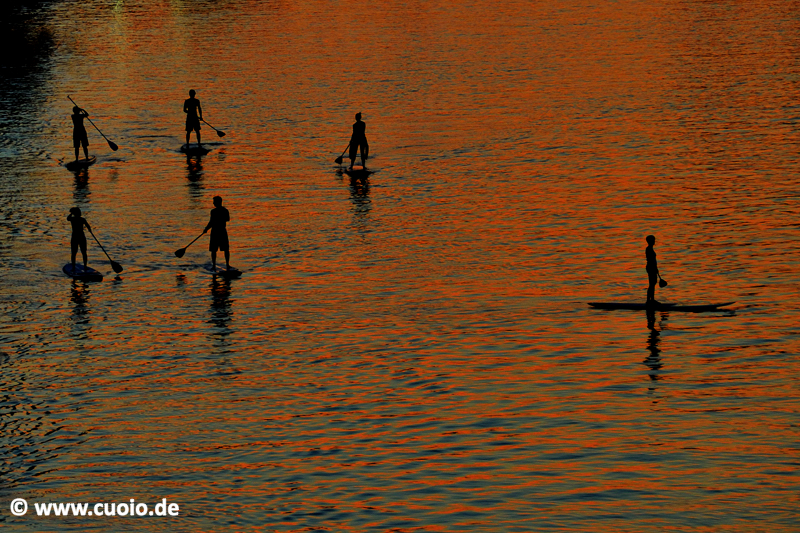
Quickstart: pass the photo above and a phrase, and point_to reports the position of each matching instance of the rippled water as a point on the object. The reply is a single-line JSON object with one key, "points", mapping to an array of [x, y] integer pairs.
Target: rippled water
{"points": [[414, 352]]}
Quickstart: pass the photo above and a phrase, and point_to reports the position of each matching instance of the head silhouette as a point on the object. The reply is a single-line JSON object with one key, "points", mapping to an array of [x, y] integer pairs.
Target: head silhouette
{"points": [[358, 116], [76, 110], [217, 201], [651, 240], [192, 93], [75, 211]]}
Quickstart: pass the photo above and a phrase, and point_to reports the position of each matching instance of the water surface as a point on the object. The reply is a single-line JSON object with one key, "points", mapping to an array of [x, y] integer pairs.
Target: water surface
{"points": [[413, 352]]}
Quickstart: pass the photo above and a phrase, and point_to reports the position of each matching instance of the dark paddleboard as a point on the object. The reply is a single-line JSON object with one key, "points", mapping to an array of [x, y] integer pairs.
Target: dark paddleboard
{"points": [[702, 308], [193, 149], [357, 171], [81, 273], [221, 271], [80, 163]]}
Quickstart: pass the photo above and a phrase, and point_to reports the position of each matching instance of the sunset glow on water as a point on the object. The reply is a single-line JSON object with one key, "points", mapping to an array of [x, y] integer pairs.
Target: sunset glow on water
{"points": [[413, 351]]}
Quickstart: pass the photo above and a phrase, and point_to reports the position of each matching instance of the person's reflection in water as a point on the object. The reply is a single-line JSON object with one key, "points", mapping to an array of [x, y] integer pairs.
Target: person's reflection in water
{"points": [[81, 192], [220, 307], [653, 360], [194, 174], [194, 167], [359, 196], [79, 295]]}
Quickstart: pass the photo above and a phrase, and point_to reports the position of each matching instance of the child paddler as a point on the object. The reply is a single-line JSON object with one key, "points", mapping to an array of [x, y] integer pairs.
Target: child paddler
{"points": [[79, 136], [78, 239]]}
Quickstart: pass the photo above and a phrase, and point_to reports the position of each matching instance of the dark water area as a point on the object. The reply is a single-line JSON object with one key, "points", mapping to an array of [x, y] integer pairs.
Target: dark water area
{"points": [[411, 350], [28, 42], [27, 37]]}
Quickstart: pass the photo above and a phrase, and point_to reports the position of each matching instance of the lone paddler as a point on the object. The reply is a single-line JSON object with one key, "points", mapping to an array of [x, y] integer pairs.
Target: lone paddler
{"points": [[194, 114], [359, 140], [653, 275]]}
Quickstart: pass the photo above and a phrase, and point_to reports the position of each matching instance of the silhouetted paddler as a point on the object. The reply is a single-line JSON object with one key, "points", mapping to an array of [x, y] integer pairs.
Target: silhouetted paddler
{"points": [[79, 136], [652, 269], [194, 114], [219, 233], [359, 140], [78, 239]]}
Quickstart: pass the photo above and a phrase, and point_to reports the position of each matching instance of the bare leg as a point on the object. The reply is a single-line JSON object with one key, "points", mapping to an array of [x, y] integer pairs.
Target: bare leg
{"points": [[198, 138], [73, 252], [187, 138], [83, 253], [86, 151], [214, 261], [651, 288], [227, 260], [352, 154], [76, 153]]}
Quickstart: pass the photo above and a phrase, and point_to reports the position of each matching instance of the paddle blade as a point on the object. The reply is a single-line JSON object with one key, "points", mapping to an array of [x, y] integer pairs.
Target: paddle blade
{"points": [[179, 253], [113, 146], [338, 160], [220, 133], [662, 283], [116, 267]]}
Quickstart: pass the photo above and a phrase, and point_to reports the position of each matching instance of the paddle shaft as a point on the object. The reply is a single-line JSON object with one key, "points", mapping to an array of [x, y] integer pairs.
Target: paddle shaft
{"points": [[195, 239], [101, 246], [220, 133], [338, 160], [111, 144]]}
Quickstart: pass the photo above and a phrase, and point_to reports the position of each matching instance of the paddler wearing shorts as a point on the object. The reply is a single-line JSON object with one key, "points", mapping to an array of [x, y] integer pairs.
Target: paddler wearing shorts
{"points": [[79, 136], [78, 239], [219, 233], [194, 114]]}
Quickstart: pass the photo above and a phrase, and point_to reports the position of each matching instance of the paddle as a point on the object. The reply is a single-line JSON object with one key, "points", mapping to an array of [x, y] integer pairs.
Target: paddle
{"points": [[219, 133], [179, 253], [114, 265], [338, 160], [111, 145], [661, 282]]}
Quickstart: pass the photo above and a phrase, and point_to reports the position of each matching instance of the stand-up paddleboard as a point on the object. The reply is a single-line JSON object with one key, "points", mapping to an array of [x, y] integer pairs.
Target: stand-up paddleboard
{"points": [[357, 171], [80, 163], [82, 273], [702, 308], [194, 149], [225, 273]]}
